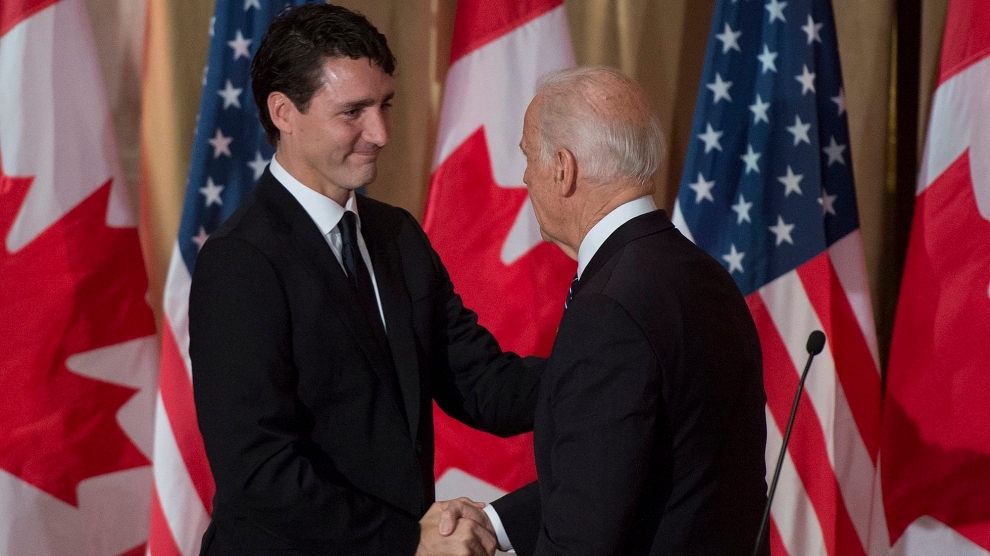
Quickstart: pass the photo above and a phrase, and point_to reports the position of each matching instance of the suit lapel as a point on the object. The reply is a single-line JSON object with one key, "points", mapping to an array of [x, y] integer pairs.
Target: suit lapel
{"points": [[645, 224], [305, 239], [397, 306]]}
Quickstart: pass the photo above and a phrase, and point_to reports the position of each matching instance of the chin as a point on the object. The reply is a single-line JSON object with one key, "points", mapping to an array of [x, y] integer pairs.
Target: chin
{"points": [[362, 179], [367, 173]]}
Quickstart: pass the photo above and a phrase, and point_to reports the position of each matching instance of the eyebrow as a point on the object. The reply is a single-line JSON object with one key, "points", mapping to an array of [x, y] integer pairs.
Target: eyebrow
{"points": [[365, 102]]}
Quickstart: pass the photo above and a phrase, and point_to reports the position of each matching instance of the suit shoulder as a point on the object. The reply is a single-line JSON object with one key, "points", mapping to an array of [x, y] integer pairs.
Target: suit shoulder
{"points": [[380, 209], [391, 222], [667, 255], [246, 220], [245, 237], [666, 274]]}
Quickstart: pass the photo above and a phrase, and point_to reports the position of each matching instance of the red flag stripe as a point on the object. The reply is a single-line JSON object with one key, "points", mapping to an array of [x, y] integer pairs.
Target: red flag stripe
{"points": [[479, 22], [161, 541], [793, 514], [184, 501], [836, 458], [853, 363], [807, 443], [787, 301], [780, 382], [850, 267], [829, 288], [182, 507], [776, 541], [138, 550], [177, 397]]}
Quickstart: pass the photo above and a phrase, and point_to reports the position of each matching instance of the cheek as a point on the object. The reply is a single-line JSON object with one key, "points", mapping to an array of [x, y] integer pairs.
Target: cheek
{"points": [[539, 205]]}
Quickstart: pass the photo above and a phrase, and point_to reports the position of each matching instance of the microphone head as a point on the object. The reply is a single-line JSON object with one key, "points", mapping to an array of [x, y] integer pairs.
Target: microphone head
{"points": [[816, 342]]}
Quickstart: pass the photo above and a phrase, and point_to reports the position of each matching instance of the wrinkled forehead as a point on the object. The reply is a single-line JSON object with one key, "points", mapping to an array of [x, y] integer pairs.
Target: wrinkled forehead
{"points": [[531, 119]]}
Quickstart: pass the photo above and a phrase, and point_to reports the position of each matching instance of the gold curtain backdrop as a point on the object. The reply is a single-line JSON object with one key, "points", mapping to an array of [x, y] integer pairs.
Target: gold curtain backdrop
{"points": [[153, 52]]}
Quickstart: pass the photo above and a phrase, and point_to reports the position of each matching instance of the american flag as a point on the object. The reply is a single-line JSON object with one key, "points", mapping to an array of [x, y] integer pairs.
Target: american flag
{"points": [[768, 190], [229, 154]]}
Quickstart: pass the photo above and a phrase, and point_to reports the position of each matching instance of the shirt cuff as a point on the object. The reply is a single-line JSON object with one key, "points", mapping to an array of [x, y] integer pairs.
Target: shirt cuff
{"points": [[503, 540]]}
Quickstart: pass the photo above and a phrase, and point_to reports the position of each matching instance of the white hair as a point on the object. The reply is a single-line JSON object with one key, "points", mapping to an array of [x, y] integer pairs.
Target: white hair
{"points": [[576, 114]]}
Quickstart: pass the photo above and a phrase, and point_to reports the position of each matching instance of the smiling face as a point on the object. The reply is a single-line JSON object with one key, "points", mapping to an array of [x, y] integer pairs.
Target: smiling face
{"points": [[333, 146]]}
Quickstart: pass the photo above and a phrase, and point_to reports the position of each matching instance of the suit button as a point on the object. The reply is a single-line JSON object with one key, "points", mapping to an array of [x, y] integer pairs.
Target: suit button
{"points": [[419, 448]]}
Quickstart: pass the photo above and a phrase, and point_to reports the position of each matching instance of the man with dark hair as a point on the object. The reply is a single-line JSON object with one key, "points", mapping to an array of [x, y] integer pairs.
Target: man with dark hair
{"points": [[322, 325]]}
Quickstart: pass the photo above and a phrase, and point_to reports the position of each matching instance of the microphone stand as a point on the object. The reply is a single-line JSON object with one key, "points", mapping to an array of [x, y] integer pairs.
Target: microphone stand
{"points": [[816, 342]]}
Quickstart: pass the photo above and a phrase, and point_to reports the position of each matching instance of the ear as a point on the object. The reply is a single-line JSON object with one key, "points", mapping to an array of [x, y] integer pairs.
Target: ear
{"points": [[565, 172], [281, 110]]}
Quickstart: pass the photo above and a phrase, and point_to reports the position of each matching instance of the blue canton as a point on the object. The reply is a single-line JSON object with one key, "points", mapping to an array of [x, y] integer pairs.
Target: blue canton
{"points": [[767, 182]]}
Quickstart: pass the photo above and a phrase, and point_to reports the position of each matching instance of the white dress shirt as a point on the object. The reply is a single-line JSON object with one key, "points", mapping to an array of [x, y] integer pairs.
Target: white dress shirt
{"points": [[590, 245], [601, 231], [326, 213]]}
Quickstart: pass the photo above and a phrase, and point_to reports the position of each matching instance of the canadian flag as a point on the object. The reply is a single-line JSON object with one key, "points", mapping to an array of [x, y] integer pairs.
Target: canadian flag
{"points": [[479, 217], [935, 451], [77, 347]]}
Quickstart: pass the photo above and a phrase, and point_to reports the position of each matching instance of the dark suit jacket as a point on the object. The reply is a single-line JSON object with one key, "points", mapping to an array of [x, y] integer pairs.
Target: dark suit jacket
{"points": [[317, 445], [650, 426]]}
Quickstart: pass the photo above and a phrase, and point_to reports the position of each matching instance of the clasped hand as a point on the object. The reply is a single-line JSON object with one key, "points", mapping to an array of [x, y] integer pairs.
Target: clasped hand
{"points": [[456, 528]]}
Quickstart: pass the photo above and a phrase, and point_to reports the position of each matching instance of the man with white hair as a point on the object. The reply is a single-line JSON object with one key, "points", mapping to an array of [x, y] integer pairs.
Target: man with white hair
{"points": [[650, 427]]}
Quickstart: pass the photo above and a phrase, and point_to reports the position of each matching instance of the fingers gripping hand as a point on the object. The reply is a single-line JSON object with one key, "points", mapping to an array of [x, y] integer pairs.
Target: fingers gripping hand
{"points": [[462, 508], [467, 537]]}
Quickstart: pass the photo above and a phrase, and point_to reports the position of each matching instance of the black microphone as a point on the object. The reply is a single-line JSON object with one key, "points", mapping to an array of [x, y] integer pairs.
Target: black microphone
{"points": [[815, 345]]}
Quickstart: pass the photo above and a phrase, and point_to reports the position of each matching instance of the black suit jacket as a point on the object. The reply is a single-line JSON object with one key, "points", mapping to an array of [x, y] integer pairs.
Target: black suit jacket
{"points": [[650, 426], [317, 444]]}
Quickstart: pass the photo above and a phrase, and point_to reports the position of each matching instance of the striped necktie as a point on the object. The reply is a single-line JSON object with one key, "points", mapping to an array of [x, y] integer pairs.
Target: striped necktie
{"points": [[572, 291]]}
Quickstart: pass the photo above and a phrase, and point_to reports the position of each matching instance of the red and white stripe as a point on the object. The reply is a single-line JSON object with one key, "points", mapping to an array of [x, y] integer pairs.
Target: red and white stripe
{"points": [[183, 486], [824, 500]]}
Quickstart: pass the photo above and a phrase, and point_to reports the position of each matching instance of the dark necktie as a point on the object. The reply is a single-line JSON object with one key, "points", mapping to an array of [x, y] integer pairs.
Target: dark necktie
{"points": [[357, 271], [572, 291], [360, 278]]}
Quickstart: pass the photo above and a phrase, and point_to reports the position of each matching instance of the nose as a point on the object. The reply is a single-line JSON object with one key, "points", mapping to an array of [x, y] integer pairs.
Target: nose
{"points": [[377, 127]]}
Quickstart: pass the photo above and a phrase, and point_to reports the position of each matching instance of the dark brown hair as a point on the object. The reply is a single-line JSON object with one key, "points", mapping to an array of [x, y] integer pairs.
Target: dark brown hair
{"points": [[291, 55]]}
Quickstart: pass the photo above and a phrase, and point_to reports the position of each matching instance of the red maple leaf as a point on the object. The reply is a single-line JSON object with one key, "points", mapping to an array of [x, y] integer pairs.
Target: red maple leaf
{"points": [[521, 304], [78, 286]]}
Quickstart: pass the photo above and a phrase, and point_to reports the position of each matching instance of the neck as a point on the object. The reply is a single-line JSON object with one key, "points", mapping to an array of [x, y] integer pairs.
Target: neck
{"points": [[603, 199], [306, 176]]}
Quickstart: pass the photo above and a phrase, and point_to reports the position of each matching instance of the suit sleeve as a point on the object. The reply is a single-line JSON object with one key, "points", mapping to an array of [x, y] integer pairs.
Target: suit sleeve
{"points": [[604, 391], [244, 388], [520, 513], [473, 380]]}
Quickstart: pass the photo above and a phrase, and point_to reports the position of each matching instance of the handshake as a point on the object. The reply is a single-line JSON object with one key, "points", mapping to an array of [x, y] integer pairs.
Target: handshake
{"points": [[457, 527]]}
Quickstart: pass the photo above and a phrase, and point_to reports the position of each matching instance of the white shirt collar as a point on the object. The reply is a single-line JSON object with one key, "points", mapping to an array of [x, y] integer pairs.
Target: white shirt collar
{"points": [[603, 229], [324, 211]]}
